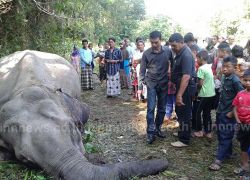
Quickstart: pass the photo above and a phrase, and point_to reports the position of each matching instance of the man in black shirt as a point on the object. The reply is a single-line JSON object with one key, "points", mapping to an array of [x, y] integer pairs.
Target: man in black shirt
{"points": [[183, 76], [156, 61]]}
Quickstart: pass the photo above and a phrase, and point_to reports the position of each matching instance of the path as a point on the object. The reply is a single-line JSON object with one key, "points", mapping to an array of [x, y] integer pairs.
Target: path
{"points": [[119, 128]]}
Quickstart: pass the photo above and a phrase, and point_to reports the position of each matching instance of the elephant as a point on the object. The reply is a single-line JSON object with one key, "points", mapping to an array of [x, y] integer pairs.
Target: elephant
{"points": [[41, 113]]}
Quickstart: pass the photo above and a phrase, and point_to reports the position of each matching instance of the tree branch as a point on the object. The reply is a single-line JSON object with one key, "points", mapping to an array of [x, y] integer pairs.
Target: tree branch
{"points": [[44, 10]]}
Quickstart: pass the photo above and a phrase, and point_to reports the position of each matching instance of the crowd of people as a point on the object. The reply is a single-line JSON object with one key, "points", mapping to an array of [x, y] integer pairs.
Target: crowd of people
{"points": [[183, 78]]}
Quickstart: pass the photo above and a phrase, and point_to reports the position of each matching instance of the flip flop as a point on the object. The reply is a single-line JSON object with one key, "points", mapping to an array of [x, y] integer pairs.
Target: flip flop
{"points": [[240, 171], [197, 134]]}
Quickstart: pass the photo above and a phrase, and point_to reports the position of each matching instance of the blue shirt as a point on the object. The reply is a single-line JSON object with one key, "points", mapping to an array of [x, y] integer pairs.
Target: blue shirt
{"points": [[112, 68], [86, 57]]}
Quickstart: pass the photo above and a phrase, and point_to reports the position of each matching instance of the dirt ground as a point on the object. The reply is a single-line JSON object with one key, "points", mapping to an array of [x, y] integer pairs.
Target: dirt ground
{"points": [[119, 127]]}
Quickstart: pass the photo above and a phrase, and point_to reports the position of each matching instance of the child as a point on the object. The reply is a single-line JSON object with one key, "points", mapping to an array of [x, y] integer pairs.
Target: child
{"points": [[224, 50], [241, 67], [241, 105], [170, 98], [194, 49], [135, 69], [93, 56], [75, 59], [225, 120], [237, 52], [102, 68], [123, 76], [206, 93]]}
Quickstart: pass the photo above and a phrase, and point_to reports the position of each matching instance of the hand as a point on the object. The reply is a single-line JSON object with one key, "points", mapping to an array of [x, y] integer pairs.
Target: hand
{"points": [[230, 115], [179, 101]]}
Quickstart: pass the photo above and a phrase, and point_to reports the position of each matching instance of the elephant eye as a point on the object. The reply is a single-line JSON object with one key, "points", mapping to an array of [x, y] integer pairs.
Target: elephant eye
{"points": [[51, 110]]}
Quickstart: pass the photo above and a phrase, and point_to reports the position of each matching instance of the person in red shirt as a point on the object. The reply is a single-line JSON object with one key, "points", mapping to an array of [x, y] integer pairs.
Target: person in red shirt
{"points": [[241, 105]]}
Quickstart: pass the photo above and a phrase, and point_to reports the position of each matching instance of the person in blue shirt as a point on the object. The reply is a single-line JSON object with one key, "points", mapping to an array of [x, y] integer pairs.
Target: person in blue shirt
{"points": [[86, 68]]}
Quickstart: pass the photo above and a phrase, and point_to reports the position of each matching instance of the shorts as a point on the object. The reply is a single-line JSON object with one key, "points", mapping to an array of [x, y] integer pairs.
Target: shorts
{"points": [[243, 137]]}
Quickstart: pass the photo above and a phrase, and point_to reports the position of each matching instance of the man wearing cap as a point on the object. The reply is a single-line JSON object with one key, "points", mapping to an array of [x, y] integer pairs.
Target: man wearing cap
{"points": [[183, 76]]}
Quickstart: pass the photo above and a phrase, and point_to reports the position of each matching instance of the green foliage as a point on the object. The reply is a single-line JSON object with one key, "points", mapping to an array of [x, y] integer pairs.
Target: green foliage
{"points": [[87, 140], [225, 23], [221, 25], [27, 27], [13, 171], [163, 24], [30, 175]]}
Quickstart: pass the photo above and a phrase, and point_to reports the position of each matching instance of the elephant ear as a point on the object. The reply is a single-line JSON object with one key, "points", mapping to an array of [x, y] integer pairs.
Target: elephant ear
{"points": [[78, 111]]}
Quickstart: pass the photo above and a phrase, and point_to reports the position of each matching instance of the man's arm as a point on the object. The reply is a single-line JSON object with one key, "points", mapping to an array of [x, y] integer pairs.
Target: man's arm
{"points": [[142, 71], [183, 86], [187, 68]]}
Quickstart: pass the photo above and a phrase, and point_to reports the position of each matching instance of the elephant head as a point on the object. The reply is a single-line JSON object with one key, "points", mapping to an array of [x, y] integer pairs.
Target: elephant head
{"points": [[40, 112]]}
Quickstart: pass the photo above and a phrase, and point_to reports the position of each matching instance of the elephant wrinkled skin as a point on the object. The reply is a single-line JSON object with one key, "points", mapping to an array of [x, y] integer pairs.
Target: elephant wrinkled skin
{"points": [[40, 111]]}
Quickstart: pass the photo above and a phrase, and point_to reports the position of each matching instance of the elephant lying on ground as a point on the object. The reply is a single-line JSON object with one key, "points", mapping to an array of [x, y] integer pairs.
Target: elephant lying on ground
{"points": [[40, 110]]}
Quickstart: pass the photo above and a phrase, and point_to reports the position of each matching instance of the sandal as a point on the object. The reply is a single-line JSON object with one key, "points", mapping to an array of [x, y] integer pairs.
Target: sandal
{"points": [[215, 166], [240, 171], [198, 134]]}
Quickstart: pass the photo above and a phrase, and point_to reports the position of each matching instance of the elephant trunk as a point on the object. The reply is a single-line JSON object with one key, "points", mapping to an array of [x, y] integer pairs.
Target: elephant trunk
{"points": [[74, 166], [139, 168]]}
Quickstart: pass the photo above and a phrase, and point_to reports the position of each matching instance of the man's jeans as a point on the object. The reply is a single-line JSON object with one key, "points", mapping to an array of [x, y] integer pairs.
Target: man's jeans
{"points": [[184, 114], [156, 95], [225, 133]]}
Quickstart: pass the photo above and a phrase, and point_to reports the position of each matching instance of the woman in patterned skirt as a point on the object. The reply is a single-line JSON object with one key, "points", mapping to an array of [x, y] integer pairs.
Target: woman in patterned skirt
{"points": [[113, 57]]}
